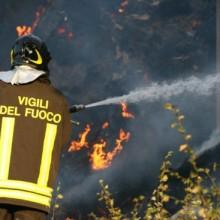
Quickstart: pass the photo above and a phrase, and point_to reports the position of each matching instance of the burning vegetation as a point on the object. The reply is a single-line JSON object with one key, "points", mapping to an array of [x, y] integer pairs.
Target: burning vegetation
{"points": [[125, 113], [105, 125], [25, 30], [201, 198], [145, 20], [63, 30], [100, 159], [82, 142], [99, 156], [123, 6]]}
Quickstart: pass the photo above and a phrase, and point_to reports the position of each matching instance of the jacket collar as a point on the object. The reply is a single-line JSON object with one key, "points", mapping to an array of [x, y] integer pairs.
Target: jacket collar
{"points": [[21, 75]]}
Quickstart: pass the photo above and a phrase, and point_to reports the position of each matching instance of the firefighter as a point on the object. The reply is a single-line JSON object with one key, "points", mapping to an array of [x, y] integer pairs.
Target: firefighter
{"points": [[34, 125]]}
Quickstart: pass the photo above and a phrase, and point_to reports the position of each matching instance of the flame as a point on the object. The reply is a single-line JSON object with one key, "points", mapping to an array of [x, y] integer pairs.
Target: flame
{"points": [[61, 30], [125, 113], [23, 30], [64, 31], [78, 145], [123, 6], [39, 13], [100, 159], [105, 125], [70, 35]]}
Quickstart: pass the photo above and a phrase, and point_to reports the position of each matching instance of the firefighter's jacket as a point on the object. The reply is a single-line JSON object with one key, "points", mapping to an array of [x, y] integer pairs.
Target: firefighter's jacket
{"points": [[34, 126]]}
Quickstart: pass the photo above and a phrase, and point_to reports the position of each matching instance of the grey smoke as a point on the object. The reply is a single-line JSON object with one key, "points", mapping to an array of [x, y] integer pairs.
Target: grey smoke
{"points": [[210, 143], [155, 91]]}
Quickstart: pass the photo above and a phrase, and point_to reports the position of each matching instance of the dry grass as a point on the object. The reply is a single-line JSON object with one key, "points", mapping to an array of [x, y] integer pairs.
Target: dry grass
{"points": [[200, 201]]}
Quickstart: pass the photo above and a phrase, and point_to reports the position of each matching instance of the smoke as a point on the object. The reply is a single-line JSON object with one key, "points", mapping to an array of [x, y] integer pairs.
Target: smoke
{"points": [[110, 54], [165, 91], [212, 142]]}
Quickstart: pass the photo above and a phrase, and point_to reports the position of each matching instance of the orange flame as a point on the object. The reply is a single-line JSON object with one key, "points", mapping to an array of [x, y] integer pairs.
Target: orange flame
{"points": [[105, 125], [61, 30], [125, 113], [123, 6], [78, 145], [38, 16], [23, 30], [70, 35], [64, 31], [100, 159]]}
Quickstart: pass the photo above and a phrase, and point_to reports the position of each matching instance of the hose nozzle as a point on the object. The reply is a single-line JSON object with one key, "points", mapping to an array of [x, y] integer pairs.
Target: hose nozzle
{"points": [[77, 108]]}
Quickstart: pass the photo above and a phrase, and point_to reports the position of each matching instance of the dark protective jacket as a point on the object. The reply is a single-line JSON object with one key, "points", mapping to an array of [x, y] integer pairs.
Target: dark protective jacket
{"points": [[34, 126]]}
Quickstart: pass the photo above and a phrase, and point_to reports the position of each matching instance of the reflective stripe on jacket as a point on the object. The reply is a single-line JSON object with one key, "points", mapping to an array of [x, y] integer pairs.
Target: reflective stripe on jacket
{"points": [[34, 125]]}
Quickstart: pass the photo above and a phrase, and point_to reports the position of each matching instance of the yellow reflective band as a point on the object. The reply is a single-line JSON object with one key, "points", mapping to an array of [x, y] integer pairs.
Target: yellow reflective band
{"points": [[49, 140], [6, 137], [39, 60], [26, 186], [12, 56], [25, 196]]}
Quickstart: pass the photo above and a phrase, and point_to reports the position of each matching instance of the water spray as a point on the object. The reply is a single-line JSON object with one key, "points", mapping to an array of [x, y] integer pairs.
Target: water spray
{"points": [[156, 91]]}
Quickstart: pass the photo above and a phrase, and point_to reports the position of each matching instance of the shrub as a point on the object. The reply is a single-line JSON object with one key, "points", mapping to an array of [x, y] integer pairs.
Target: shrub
{"points": [[200, 201]]}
